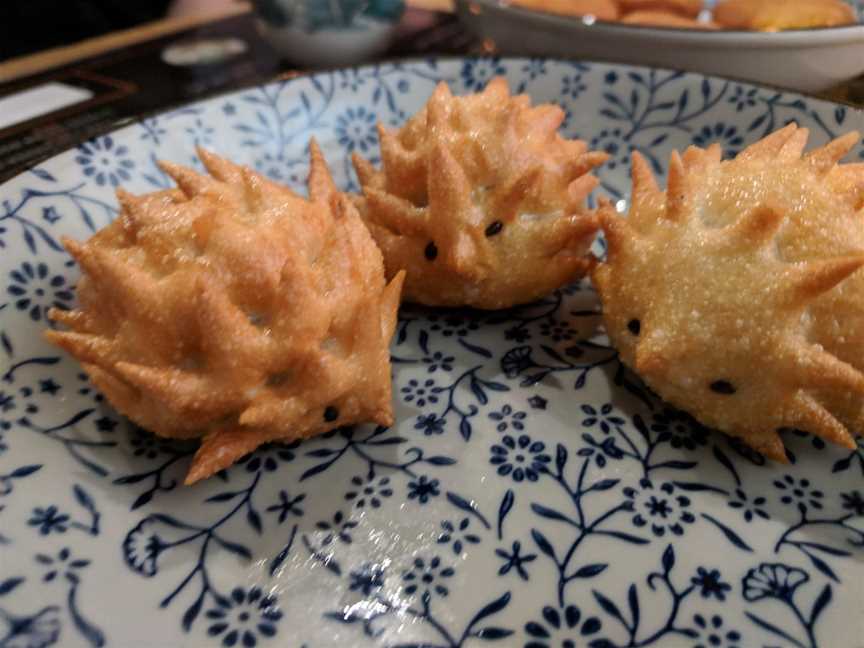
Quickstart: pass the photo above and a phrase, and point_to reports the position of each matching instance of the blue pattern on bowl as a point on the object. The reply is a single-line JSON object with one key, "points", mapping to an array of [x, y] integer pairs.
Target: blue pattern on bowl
{"points": [[313, 15], [532, 493]]}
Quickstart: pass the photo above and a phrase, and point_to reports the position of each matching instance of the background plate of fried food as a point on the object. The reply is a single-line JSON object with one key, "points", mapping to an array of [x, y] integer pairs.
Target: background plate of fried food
{"points": [[807, 45], [576, 247]]}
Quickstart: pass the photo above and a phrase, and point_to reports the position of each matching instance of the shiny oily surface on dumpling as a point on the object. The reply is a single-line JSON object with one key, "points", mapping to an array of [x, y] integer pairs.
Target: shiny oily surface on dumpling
{"points": [[736, 293]]}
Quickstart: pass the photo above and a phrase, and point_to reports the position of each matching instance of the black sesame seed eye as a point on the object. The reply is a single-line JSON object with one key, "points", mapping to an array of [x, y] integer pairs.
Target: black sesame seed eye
{"points": [[331, 414], [431, 251], [634, 326], [494, 228], [723, 387]]}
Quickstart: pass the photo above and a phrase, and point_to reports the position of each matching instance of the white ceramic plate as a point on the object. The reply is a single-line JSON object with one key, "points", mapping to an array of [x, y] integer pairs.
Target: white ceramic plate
{"points": [[808, 60], [532, 493]]}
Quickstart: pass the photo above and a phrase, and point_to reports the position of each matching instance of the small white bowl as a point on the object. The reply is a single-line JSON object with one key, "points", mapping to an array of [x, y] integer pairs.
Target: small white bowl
{"points": [[809, 60], [318, 34]]}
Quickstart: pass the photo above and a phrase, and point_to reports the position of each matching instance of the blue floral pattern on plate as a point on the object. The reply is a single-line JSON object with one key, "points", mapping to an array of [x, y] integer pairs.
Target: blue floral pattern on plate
{"points": [[532, 493]]}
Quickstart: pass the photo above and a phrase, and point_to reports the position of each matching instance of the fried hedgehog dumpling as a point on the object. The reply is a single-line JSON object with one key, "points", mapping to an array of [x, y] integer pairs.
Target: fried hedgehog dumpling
{"points": [[737, 294], [480, 200], [234, 310]]}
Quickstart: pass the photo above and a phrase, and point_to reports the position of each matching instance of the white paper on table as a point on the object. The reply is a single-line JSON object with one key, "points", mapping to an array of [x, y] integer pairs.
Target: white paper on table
{"points": [[39, 100]]}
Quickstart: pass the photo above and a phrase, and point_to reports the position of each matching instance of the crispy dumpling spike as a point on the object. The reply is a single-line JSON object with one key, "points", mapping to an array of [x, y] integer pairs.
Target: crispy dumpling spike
{"points": [[755, 227], [117, 391], [770, 145], [696, 157], [793, 147], [364, 168], [471, 192], [644, 183], [817, 277], [131, 211], [218, 167], [578, 191], [127, 286], [390, 304], [819, 369], [84, 257], [181, 391], [583, 160], [618, 232], [770, 444], [809, 414], [450, 193], [84, 346], [217, 452], [496, 90], [201, 307], [507, 201], [407, 177], [190, 182], [557, 238], [321, 185], [677, 191], [545, 119], [228, 336], [738, 295], [75, 320], [394, 213], [824, 159]]}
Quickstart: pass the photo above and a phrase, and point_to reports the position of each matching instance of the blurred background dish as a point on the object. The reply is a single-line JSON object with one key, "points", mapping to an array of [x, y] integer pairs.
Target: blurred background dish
{"points": [[771, 15], [748, 15], [689, 8], [805, 59], [322, 34], [663, 18], [600, 9]]}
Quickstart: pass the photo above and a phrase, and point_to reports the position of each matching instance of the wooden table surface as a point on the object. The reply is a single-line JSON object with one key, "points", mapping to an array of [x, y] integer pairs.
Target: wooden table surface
{"points": [[34, 63]]}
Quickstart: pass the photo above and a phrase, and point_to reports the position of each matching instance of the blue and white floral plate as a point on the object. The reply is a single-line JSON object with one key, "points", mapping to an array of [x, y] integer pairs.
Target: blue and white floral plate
{"points": [[532, 492]]}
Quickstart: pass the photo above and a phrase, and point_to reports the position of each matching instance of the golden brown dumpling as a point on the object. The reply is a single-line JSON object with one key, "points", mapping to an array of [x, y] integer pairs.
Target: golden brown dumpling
{"points": [[233, 310], [480, 200], [737, 293]]}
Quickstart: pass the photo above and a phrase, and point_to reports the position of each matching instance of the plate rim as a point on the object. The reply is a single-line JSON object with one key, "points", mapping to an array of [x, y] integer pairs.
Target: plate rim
{"points": [[291, 76]]}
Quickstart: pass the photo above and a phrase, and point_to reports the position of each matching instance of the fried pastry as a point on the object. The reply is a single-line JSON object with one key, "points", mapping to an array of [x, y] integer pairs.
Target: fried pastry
{"points": [[235, 311], [690, 8], [776, 15], [737, 294], [655, 18], [600, 9], [480, 200]]}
